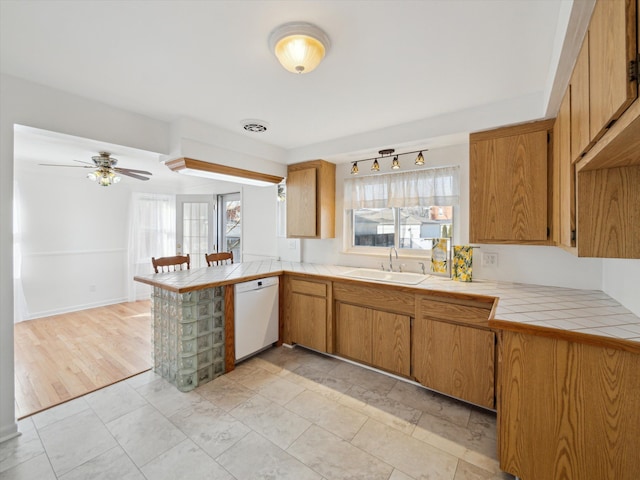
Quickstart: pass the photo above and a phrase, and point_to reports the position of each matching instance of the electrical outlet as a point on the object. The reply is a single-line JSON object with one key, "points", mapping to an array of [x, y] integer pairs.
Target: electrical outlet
{"points": [[490, 260]]}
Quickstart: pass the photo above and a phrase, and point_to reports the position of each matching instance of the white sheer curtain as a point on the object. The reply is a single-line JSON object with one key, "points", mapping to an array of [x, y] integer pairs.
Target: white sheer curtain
{"points": [[429, 187], [152, 233]]}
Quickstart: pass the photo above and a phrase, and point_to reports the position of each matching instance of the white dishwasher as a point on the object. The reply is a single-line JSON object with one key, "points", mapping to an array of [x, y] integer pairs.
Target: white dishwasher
{"points": [[256, 316]]}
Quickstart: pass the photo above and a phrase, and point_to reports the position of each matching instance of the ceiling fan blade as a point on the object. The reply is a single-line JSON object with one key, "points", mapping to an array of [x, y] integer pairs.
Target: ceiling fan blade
{"points": [[74, 166], [88, 163], [132, 175], [131, 170]]}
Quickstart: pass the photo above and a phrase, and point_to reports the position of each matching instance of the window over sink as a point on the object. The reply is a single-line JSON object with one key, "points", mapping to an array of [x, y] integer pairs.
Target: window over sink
{"points": [[405, 211]]}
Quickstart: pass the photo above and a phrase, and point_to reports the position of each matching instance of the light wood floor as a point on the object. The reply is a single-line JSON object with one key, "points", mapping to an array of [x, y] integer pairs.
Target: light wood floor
{"points": [[65, 356]]}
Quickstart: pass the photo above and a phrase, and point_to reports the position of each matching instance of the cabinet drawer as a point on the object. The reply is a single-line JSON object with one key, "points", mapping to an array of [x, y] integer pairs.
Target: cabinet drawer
{"points": [[454, 312], [308, 288], [384, 298]]}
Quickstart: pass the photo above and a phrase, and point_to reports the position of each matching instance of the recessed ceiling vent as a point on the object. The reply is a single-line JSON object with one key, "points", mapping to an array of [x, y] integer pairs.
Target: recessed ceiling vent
{"points": [[254, 126]]}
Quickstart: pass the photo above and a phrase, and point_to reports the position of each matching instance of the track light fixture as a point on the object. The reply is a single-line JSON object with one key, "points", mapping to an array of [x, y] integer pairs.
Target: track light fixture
{"points": [[395, 163]]}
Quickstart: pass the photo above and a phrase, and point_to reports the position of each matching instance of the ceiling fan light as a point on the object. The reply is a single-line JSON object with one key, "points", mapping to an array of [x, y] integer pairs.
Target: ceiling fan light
{"points": [[299, 46], [92, 176], [116, 179]]}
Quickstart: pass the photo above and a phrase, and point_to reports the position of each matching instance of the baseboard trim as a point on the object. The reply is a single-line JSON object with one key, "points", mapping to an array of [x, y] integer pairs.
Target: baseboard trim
{"points": [[76, 308]]}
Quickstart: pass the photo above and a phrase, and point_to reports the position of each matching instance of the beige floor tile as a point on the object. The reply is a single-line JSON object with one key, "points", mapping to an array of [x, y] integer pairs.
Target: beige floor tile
{"points": [[336, 459], [398, 475], [280, 391], [475, 440], [466, 471], [185, 461], [166, 397], [382, 408], [330, 415], [114, 463], [365, 378], [210, 427], [255, 457], [431, 402], [225, 393], [269, 419], [318, 381], [35, 468], [22, 448], [415, 458]]}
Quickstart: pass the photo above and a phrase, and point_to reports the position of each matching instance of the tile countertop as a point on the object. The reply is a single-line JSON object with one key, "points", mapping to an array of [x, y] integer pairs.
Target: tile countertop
{"points": [[590, 312]]}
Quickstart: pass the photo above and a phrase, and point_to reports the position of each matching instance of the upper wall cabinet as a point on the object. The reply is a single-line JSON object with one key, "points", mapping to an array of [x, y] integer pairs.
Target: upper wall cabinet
{"points": [[509, 189], [612, 56], [311, 194], [579, 104]]}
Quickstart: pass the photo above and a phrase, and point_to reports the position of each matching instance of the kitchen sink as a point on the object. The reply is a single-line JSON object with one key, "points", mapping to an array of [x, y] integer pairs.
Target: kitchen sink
{"points": [[406, 278]]}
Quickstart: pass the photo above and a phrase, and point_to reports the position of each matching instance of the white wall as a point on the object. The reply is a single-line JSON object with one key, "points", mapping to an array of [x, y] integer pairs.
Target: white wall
{"points": [[537, 265], [74, 243], [621, 280], [259, 223]]}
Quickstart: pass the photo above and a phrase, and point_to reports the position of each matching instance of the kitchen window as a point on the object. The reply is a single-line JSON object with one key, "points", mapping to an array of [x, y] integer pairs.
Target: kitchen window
{"points": [[406, 210]]}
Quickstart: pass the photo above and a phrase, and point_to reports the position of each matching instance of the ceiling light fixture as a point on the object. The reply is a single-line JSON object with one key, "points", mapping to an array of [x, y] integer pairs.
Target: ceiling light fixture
{"points": [[388, 152], [299, 46]]}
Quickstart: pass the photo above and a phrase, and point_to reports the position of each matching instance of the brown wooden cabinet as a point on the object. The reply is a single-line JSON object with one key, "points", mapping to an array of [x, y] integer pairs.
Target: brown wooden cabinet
{"points": [[580, 133], [374, 337], [564, 195], [567, 410], [454, 350], [307, 312], [612, 48], [311, 191], [509, 185], [373, 325]]}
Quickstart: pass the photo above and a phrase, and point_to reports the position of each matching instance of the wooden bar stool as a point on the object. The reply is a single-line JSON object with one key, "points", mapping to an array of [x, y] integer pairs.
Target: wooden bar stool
{"points": [[170, 264], [223, 258]]}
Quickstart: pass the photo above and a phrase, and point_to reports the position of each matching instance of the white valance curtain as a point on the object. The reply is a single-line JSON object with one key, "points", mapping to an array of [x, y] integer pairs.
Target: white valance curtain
{"points": [[424, 188]]}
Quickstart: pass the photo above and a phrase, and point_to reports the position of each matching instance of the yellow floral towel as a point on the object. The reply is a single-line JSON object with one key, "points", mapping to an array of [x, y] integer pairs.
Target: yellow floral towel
{"points": [[462, 262]]}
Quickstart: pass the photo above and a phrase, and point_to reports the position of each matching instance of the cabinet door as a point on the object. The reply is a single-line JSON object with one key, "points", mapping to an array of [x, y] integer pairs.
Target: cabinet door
{"points": [[456, 360], [301, 203], [612, 47], [353, 332], [508, 189], [566, 172], [579, 109], [391, 342], [308, 317]]}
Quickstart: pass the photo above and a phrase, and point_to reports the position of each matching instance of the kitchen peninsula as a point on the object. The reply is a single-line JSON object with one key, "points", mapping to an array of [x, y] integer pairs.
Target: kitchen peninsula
{"points": [[560, 366]]}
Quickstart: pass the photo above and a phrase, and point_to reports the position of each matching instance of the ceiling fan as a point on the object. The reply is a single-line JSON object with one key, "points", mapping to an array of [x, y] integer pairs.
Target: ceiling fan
{"points": [[105, 171]]}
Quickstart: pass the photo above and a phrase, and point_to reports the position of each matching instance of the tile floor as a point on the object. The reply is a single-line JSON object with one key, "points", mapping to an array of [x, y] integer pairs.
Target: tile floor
{"points": [[284, 414]]}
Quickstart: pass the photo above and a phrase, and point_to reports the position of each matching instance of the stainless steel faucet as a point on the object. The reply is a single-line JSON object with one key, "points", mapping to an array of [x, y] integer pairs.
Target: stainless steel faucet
{"points": [[391, 250]]}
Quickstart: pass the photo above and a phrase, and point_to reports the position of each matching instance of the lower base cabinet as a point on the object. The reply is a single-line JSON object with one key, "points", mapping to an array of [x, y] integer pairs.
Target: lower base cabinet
{"points": [[307, 312], [374, 337], [455, 359], [567, 410]]}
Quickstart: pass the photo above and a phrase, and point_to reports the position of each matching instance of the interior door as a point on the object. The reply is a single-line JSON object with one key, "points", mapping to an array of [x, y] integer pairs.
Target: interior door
{"points": [[195, 227], [230, 225]]}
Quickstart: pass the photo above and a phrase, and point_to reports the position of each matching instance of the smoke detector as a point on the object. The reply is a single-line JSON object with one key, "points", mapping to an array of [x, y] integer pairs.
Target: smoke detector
{"points": [[254, 126]]}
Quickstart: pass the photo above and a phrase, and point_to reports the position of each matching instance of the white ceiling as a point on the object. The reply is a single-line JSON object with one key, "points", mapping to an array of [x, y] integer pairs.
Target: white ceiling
{"points": [[391, 62]]}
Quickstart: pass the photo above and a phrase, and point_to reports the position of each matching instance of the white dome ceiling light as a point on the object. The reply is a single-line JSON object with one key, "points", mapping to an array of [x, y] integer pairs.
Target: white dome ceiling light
{"points": [[299, 46]]}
